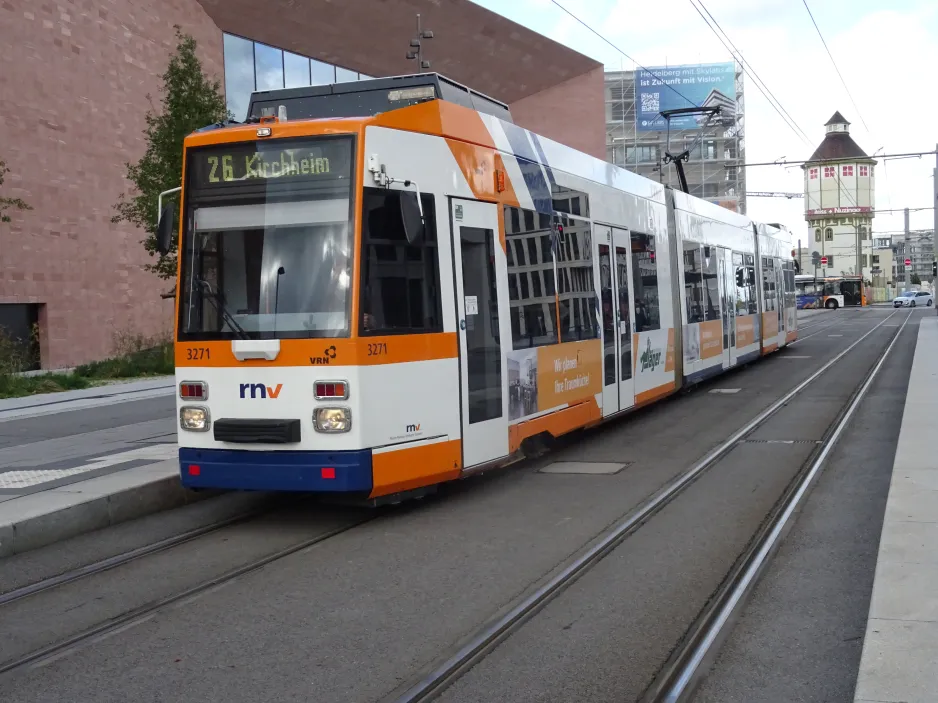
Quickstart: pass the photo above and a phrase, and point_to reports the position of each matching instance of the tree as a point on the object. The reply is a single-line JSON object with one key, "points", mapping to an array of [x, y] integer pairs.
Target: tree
{"points": [[7, 203], [190, 100], [915, 280]]}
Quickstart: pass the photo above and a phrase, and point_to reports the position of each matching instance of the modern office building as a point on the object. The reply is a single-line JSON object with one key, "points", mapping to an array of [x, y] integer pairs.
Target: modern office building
{"points": [[637, 135], [77, 79]]}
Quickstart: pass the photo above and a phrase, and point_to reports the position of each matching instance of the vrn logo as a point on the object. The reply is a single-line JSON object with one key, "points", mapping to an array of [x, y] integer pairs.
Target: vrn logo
{"points": [[259, 390], [412, 428]]}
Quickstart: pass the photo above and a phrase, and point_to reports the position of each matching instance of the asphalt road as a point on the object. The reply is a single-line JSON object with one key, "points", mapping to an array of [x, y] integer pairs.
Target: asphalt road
{"points": [[362, 613]]}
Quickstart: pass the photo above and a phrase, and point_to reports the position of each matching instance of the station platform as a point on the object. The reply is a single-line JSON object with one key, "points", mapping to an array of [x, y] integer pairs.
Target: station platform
{"points": [[77, 461], [900, 647]]}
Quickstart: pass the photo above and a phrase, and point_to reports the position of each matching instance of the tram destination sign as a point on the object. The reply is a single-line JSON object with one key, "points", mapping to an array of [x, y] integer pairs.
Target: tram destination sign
{"points": [[262, 162]]}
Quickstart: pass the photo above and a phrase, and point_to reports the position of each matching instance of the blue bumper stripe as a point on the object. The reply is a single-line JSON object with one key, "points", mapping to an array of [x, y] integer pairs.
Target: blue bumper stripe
{"points": [[276, 471]]}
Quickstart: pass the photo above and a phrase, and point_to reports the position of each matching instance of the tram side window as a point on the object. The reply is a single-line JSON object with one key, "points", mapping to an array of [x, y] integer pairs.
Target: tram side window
{"points": [[789, 284], [742, 290], [400, 282], [693, 283], [746, 300], [711, 284], [532, 304], [645, 282], [768, 283], [576, 289]]}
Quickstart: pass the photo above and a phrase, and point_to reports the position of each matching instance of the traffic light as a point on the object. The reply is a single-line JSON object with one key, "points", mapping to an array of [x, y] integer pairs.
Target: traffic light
{"points": [[740, 280], [934, 268], [815, 259]]}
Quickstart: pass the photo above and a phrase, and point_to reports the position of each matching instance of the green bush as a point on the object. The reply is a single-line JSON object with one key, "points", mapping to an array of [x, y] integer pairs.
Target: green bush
{"points": [[134, 356], [154, 361]]}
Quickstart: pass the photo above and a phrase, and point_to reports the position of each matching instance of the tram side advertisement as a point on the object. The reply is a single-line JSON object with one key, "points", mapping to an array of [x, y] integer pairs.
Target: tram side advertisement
{"points": [[552, 376]]}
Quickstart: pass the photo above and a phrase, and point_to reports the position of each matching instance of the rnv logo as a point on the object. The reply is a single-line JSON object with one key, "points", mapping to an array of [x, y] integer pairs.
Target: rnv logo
{"points": [[259, 390]]}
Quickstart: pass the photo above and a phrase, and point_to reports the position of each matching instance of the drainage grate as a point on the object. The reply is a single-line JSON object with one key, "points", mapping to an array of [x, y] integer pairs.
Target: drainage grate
{"points": [[584, 467]]}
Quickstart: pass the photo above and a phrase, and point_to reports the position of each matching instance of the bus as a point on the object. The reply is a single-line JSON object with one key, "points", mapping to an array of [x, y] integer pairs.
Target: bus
{"points": [[830, 292], [385, 285]]}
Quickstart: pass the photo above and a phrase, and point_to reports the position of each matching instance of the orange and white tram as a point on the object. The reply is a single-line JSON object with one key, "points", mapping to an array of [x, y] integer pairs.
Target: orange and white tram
{"points": [[387, 284]]}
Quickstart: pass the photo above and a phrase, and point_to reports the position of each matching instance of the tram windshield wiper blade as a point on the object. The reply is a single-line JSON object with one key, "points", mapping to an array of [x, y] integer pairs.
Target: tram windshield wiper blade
{"points": [[223, 309]]}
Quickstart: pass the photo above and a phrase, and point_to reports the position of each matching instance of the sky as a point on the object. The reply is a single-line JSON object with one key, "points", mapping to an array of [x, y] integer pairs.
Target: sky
{"points": [[886, 50]]}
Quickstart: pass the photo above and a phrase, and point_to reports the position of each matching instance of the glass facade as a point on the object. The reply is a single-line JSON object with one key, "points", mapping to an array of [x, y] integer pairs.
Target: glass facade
{"points": [[251, 66]]}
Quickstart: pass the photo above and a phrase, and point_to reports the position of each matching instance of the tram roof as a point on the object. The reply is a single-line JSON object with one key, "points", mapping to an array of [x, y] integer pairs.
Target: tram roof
{"points": [[368, 98]]}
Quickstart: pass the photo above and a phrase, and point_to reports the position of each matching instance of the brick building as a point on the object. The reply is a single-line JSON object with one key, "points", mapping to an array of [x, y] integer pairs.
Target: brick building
{"points": [[75, 76]]}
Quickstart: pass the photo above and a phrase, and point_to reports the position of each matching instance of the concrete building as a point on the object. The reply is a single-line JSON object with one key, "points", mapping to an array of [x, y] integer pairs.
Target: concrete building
{"points": [[839, 193], [716, 149], [76, 78], [919, 248]]}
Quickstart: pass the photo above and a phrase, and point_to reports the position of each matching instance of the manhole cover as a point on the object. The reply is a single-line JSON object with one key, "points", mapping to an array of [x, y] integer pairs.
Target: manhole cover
{"points": [[584, 467]]}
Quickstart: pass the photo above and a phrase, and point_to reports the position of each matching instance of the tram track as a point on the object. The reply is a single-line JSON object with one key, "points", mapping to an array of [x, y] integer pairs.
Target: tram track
{"points": [[53, 650], [679, 677], [60, 648], [482, 642], [98, 567]]}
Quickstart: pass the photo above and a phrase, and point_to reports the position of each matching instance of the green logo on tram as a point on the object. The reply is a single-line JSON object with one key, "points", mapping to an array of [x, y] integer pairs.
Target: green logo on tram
{"points": [[650, 358]]}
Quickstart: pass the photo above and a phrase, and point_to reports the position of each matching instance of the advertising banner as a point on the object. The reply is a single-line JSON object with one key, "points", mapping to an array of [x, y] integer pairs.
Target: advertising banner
{"points": [[547, 377], [696, 85]]}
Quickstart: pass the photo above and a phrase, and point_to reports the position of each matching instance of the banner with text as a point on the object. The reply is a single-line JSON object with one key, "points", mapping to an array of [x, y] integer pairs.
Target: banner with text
{"points": [[673, 87]]}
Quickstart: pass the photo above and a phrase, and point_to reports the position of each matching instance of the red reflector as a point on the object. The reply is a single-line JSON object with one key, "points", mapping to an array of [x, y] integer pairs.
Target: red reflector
{"points": [[328, 473], [330, 390], [191, 390], [194, 470]]}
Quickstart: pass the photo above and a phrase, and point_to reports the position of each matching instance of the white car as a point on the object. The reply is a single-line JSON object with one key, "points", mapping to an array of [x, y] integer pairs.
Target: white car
{"points": [[913, 298]]}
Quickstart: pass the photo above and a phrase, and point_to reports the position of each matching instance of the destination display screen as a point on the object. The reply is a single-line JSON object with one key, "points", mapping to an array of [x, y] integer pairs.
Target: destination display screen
{"points": [[277, 161]]}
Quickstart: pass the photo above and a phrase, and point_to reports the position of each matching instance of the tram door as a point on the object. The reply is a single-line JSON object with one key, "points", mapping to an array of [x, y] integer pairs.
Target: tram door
{"points": [[728, 302], [614, 260], [780, 301], [484, 331]]}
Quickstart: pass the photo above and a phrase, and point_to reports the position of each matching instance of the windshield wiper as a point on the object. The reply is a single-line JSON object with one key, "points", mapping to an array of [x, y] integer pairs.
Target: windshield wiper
{"points": [[223, 310]]}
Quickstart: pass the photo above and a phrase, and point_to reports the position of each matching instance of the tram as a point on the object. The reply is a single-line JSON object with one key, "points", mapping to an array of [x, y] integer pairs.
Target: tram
{"points": [[386, 285]]}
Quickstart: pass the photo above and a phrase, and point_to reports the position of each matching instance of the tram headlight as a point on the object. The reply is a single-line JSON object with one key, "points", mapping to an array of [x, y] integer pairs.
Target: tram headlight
{"points": [[332, 419], [194, 418]]}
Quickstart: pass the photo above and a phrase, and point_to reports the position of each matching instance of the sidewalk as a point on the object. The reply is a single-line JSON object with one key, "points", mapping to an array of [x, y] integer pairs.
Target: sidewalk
{"points": [[900, 649], [52, 403], [38, 519], [62, 475]]}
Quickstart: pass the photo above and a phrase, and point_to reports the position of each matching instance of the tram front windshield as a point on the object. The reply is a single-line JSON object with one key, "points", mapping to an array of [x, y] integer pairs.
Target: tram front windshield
{"points": [[267, 242]]}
